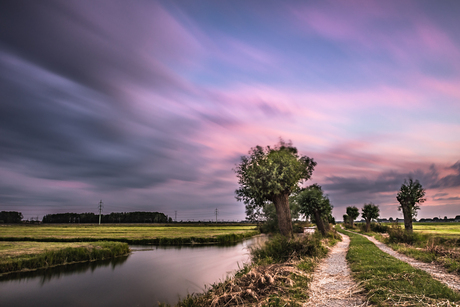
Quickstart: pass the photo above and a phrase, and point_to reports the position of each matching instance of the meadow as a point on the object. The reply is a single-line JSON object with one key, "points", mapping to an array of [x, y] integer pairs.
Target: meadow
{"points": [[132, 234], [438, 229]]}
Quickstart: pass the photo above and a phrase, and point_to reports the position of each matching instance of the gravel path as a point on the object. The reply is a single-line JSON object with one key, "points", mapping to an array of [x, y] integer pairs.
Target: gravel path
{"points": [[332, 284], [436, 271]]}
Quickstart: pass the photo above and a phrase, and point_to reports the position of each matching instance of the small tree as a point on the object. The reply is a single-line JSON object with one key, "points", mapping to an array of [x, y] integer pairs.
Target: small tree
{"points": [[314, 204], [272, 174], [352, 213], [345, 219], [370, 211], [410, 196]]}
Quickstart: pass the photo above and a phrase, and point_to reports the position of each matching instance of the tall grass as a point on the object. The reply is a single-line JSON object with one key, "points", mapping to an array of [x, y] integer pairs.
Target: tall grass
{"points": [[280, 249], [97, 251]]}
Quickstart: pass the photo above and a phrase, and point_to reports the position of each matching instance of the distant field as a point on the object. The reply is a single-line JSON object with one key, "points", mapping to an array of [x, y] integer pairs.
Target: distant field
{"points": [[442, 229], [126, 233]]}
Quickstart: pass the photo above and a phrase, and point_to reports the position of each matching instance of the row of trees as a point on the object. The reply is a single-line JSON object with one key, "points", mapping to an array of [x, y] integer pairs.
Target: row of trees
{"points": [[122, 217], [273, 177], [410, 197], [10, 217], [369, 212]]}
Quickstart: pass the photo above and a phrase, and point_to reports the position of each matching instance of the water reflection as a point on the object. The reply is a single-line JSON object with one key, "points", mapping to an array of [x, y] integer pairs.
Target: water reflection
{"points": [[149, 275]]}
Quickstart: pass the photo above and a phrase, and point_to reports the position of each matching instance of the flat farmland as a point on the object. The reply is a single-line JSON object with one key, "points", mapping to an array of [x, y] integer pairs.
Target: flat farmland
{"points": [[151, 234], [438, 229]]}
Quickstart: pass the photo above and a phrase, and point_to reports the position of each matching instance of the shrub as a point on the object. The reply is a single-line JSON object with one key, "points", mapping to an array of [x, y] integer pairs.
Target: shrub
{"points": [[399, 235], [281, 249], [377, 227]]}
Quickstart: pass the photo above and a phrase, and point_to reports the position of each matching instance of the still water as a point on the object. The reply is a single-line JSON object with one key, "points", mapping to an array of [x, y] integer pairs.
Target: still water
{"points": [[148, 276]]}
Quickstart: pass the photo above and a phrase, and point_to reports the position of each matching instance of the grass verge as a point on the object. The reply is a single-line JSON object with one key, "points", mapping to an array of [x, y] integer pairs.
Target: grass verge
{"points": [[391, 282], [42, 257], [278, 276]]}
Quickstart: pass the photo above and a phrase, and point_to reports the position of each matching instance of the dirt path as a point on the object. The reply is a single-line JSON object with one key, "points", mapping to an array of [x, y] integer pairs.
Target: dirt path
{"points": [[332, 284], [436, 271]]}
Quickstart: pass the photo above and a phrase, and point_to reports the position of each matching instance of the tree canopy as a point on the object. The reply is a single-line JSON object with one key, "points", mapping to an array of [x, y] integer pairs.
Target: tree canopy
{"points": [[352, 213], [314, 204], [272, 174], [369, 212], [410, 196]]}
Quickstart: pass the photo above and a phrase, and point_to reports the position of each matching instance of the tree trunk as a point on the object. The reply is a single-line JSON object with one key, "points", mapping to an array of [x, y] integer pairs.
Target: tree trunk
{"points": [[319, 223], [283, 212], [407, 217], [368, 225], [326, 225]]}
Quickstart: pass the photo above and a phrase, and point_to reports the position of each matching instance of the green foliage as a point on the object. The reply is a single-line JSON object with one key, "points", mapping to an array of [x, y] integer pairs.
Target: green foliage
{"points": [[352, 213], [267, 172], [10, 217], [378, 227], [389, 282], [281, 249], [370, 211], [315, 205], [398, 235]]}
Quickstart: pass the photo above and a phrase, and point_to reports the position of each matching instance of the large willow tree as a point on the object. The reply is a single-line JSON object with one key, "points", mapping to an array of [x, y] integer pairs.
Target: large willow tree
{"points": [[272, 174]]}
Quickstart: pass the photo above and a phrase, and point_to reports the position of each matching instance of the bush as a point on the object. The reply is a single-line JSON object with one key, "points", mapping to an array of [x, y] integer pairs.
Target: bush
{"points": [[281, 249], [377, 227], [399, 235]]}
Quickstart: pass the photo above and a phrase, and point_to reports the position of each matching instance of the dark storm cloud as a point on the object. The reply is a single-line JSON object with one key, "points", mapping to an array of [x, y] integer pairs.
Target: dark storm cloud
{"points": [[93, 43], [70, 132], [65, 113], [391, 181]]}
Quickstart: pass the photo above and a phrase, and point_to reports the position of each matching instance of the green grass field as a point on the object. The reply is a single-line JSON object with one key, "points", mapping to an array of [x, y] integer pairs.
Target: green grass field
{"points": [[134, 234], [438, 229]]}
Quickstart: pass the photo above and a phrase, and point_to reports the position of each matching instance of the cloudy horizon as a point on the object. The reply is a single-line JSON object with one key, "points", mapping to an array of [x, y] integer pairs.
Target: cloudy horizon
{"points": [[150, 105]]}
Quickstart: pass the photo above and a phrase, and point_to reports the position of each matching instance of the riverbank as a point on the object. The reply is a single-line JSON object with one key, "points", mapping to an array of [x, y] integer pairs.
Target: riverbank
{"points": [[26, 256], [279, 275], [131, 234]]}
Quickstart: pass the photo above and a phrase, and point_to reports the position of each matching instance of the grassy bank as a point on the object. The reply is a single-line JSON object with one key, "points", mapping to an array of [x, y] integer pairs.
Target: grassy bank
{"points": [[18, 256], [430, 242], [391, 282], [131, 234], [278, 276]]}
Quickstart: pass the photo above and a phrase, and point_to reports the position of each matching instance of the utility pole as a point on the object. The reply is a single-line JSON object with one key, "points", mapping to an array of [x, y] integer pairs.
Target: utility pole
{"points": [[175, 216], [216, 215], [100, 210]]}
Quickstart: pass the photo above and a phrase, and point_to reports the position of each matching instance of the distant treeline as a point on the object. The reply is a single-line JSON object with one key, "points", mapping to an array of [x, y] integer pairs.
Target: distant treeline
{"points": [[10, 217], [122, 217]]}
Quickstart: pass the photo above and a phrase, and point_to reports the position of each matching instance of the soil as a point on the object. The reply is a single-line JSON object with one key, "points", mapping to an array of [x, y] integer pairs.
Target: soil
{"points": [[332, 284]]}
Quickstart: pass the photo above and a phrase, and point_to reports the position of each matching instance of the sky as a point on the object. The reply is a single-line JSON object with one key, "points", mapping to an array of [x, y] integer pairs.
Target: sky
{"points": [[149, 105]]}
